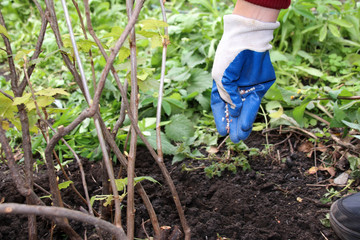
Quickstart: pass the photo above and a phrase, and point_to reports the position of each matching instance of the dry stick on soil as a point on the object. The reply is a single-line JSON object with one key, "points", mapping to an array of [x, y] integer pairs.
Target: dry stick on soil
{"points": [[24, 120], [130, 208], [108, 136], [138, 131], [56, 212], [108, 164]]}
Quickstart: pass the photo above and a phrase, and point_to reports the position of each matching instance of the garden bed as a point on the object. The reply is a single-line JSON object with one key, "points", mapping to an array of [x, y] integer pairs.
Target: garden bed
{"points": [[271, 201]]}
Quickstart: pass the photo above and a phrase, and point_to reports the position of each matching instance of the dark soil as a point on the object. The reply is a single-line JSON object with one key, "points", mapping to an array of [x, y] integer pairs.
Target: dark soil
{"points": [[271, 201]]}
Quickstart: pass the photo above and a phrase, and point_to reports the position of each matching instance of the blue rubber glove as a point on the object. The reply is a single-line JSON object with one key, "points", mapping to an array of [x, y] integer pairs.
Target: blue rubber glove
{"points": [[242, 74]]}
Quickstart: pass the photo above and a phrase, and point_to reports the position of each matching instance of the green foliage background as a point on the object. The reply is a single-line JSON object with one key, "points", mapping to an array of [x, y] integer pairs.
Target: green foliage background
{"points": [[315, 55]]}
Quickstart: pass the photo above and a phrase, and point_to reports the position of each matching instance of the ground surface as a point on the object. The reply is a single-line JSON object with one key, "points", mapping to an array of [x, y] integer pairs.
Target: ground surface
{"points": [[271, 201]]}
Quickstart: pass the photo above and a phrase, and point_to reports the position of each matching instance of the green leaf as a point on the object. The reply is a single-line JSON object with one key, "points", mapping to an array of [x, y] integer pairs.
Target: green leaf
{"points": [[352, 125], [153, 24], [149, 84], [4, 31], [123, 182], [274, 109], [312, 71], [334, 30], [342, 23], [179, 74], [156, 41], [306, 55], [312, 28], [276, 56], [22, 100], [175, 102], [305, 13], [7, 108], [335, 93], [180, 128], [108, 199], [166, 106], [42, 101], [142, 178], [192, 59], [115, 32], [199, 81], [323, 33], [51, 92], [64, 185], [124, 53], [339, 116], [298, 112], [22, 53], [167, 147], [85, 45], [354, 59]]}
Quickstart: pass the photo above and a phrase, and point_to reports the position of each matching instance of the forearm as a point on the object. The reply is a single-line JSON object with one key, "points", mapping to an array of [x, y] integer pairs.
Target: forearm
{"points": [[265, 11]]}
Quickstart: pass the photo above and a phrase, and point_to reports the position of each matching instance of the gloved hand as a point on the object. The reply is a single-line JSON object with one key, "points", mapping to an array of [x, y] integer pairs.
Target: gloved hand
{"points": [[242, 74]]}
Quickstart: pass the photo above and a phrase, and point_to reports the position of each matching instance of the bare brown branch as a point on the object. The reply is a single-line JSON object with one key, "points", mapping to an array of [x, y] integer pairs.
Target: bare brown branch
{"points": [[57, 212]]}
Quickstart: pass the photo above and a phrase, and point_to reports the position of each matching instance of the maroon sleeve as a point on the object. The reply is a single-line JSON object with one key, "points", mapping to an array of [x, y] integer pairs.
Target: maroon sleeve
{"points": [[277, 4]]}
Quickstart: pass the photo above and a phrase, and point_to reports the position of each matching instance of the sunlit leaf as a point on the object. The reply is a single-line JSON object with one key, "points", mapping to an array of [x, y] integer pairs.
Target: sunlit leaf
{"points": [[51, 92], [334, 30], [124, 53], [4, 31], [153, 24], [64, 185], [22, 100]]}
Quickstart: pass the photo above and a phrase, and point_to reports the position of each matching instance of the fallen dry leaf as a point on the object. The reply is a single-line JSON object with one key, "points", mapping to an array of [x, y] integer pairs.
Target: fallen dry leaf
{"points": [[313, 170], [306, 147], [330, 170], [321, 147]]}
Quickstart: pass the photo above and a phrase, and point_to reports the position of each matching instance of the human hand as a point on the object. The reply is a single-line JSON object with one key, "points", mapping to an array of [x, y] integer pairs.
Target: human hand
{"points": [[242, 74]]}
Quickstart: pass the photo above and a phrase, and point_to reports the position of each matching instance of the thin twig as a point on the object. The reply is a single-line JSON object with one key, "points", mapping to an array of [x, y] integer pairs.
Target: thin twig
{"points": [[160, 159], [222, 143], [304, 131], [130, 209], [6, 95], [317, 118]]}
